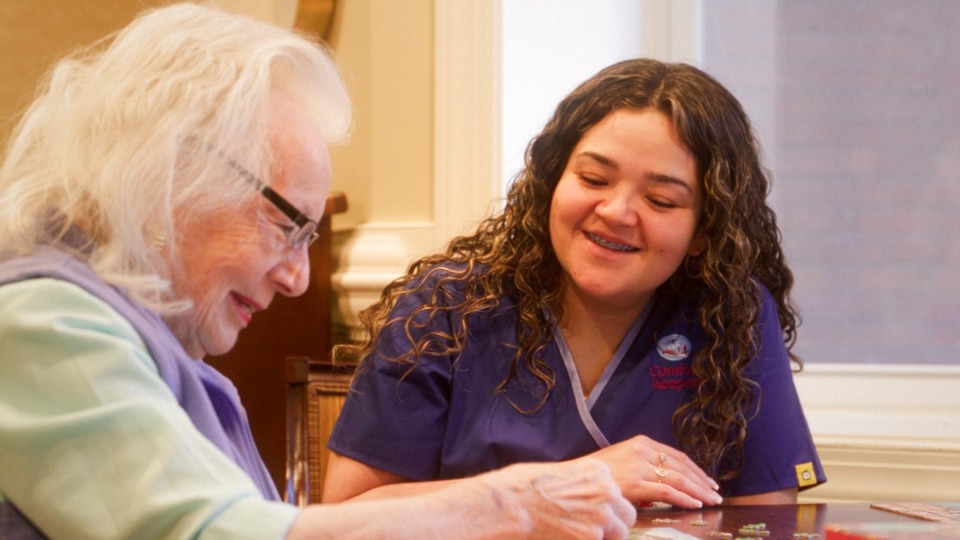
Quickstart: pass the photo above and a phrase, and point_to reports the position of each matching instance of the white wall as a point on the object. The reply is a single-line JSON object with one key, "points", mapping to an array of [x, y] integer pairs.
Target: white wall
{"points": [[550, 46]]}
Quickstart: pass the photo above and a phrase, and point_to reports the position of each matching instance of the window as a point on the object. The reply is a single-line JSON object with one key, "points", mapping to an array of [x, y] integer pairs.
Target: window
{"points": [[857, 105]]}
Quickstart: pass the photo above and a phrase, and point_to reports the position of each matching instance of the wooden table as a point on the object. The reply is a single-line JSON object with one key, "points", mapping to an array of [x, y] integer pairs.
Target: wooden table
{"points": [[781, 520]]}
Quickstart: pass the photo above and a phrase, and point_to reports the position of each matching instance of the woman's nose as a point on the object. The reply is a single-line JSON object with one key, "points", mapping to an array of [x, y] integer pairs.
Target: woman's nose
{"points": [[292, 273], [619, 207]]}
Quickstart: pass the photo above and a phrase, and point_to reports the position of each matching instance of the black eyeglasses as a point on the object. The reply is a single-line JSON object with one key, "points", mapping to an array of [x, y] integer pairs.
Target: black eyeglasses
{"points": [[305, 232]]}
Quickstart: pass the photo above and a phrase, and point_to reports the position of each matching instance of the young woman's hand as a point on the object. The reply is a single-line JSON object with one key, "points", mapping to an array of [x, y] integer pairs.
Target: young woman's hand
{"points": [[648, 471]]}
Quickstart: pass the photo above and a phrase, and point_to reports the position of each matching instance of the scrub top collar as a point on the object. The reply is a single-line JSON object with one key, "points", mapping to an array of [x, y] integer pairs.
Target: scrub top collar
{"points": [[586, 402]]}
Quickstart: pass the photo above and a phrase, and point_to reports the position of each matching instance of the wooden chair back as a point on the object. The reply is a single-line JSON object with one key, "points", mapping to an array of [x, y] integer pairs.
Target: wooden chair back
{"points": [[316, 390]]}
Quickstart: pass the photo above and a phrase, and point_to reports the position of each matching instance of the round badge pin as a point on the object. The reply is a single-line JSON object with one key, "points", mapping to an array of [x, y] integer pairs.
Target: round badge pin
{"points": [[674, 347]]}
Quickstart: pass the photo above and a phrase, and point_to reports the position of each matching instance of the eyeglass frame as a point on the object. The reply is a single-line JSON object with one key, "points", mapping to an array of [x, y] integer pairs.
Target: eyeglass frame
{"points": [[306, 232]]}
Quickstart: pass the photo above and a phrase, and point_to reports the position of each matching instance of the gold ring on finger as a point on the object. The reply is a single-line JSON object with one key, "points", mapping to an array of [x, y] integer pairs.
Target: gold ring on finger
{"points": [[661, 472]]}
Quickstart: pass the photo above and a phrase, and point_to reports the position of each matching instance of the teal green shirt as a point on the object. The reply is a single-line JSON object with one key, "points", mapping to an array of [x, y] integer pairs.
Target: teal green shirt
{"points": [[90, 433]]}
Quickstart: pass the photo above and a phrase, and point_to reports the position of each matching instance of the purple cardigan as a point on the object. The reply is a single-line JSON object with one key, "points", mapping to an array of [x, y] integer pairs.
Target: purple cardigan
{"points": [[209, 398]]}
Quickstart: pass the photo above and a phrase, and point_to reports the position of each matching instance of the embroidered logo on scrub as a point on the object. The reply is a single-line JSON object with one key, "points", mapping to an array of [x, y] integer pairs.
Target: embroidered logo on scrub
{"points": [[674, 347], [805, 474]]}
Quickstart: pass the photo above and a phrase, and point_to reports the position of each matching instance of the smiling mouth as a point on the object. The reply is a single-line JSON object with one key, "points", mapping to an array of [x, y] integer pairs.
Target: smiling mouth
{"points": [[615, 246], [247, 307]]}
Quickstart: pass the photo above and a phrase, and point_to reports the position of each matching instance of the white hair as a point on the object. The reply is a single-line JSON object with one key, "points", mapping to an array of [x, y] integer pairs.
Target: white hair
{"points": [[122, 142]]}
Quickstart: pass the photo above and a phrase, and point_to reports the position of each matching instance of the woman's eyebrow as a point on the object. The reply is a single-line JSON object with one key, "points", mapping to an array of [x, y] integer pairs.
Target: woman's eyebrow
{"points": [[667, 179], [606, 161]]}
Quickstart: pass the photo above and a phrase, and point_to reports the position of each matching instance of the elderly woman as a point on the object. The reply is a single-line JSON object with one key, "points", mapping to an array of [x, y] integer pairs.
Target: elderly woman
{"points": [[158, 194]]}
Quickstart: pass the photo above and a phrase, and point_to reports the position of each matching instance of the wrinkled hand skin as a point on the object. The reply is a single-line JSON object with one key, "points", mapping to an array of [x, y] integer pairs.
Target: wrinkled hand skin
{"points": [[571, 500]]}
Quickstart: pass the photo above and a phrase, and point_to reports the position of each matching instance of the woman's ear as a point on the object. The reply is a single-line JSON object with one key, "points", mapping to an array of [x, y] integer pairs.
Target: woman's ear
{"points": [[698, 244]]}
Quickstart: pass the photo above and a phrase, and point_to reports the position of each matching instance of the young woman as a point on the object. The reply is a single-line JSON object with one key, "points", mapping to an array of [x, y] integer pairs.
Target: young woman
{"points": [[630, 303]]}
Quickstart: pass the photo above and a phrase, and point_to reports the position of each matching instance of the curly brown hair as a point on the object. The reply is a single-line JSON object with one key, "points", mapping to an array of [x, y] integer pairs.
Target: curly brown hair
{"points": [[511, 254]]}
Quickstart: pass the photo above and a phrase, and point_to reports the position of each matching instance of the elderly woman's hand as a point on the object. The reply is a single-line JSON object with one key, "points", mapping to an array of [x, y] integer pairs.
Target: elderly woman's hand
{"points": [[572, 500], [575, 499], [648, 471]]}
